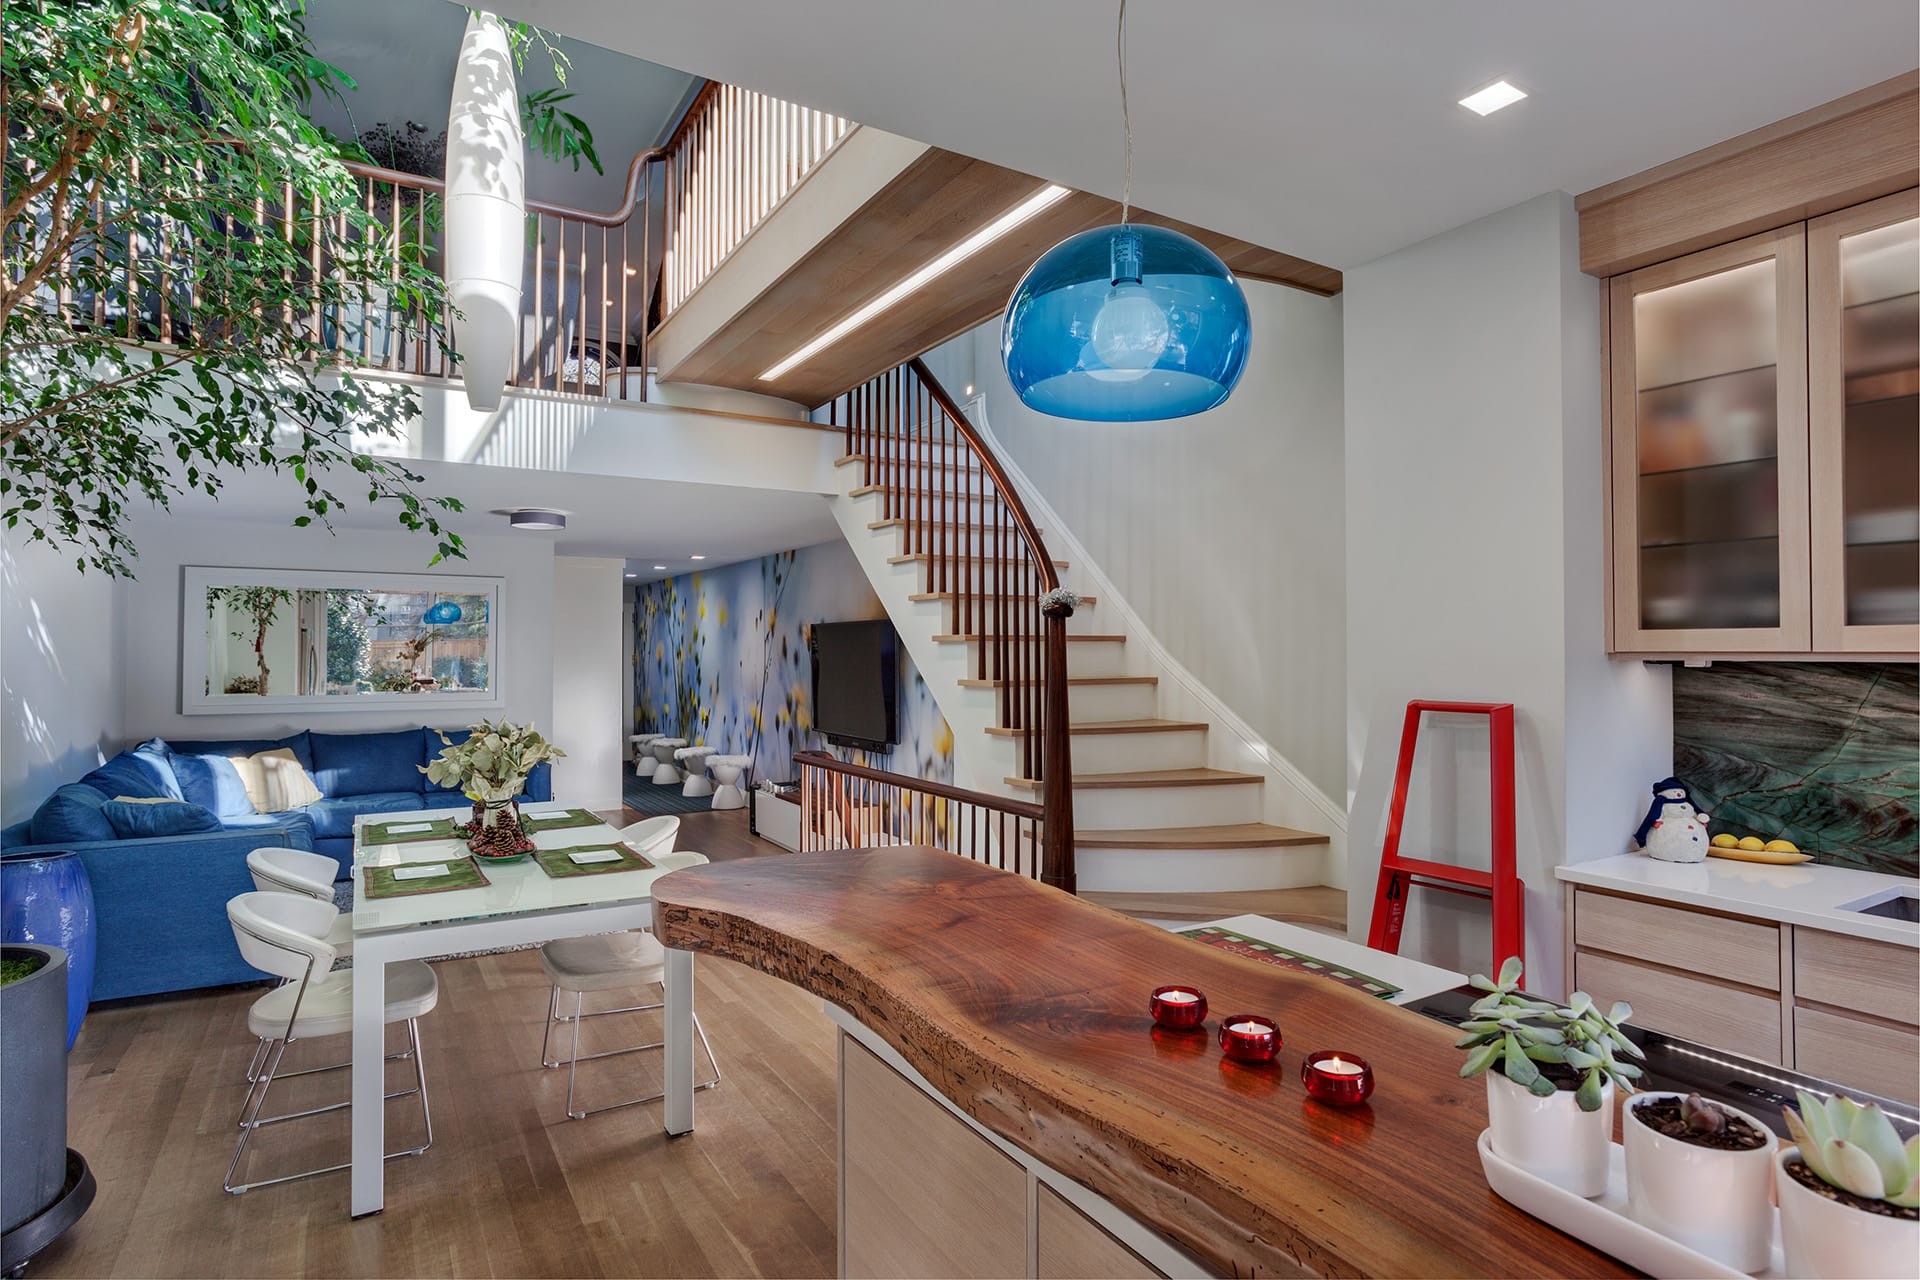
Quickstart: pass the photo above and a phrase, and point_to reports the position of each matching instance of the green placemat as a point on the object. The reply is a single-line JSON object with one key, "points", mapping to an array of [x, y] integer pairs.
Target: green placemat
{"points": [[376, 833], [533, 822], [558, 864], [462, 873]]}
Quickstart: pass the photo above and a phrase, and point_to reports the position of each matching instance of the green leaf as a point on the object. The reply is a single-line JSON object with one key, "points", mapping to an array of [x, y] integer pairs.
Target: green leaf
{"points": [[1588, 1096], [1516, 1066]]}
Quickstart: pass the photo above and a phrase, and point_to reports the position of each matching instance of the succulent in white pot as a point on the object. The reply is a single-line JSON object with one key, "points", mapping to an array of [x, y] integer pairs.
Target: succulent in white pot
{"points": [[1551, 1071], [1701, 1173], [1849, 1192]]}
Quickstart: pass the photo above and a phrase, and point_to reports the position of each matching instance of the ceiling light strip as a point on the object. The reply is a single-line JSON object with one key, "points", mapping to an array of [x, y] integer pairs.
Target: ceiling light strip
{"points": [[1006, 222]]}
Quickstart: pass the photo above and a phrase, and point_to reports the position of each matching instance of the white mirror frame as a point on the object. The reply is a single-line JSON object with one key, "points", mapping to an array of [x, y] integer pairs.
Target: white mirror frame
{"points": [[195, 700]]}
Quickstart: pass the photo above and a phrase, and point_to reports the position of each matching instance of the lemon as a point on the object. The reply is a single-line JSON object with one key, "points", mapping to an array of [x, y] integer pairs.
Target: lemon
{"points": [[1782, 846], [1754, 843], [1725, 841]]}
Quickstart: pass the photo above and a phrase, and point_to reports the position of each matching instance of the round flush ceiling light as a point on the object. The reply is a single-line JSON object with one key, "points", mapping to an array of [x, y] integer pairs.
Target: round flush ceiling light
{"points": [[537, 518]]}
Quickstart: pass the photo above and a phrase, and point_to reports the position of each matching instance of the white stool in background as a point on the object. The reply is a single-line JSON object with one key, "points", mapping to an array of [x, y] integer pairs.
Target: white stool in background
{"points": [[665, 775], [652, 837], [609, 962], [726, 776], [643, 761], [694, 761], [284, 934]]}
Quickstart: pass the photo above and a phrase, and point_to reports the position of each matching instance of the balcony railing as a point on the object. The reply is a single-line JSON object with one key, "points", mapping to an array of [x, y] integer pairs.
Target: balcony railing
{"points": [[849, 806]]}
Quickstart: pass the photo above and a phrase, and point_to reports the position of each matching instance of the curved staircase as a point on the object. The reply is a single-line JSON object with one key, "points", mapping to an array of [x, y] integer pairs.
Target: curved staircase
{"points": [[943, 536]]}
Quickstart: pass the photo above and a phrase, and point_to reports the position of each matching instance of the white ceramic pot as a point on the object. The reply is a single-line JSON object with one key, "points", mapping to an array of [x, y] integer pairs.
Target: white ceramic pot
{"points": [[1827, 1240], [1714, 1202], [486, 209], [1552, 1137]]}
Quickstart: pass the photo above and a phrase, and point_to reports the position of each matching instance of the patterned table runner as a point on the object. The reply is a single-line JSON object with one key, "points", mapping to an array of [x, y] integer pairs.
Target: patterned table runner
{"points": [[559, 864], [533, 823], [377, 833], [1273, 953], [462, 873]]}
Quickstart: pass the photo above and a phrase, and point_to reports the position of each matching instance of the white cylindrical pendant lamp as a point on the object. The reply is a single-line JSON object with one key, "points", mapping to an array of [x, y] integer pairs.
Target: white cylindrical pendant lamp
{"points": [[486, 209]]}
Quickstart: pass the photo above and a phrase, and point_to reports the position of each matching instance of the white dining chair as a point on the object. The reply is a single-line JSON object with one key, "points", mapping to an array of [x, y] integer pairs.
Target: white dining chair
{"points": [[611, 962], [285, 935], [311, 875], [650, 836]]}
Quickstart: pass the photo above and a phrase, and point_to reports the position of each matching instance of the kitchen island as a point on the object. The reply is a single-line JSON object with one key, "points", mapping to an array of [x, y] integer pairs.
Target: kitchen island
{"points": [[1024, 1010]]}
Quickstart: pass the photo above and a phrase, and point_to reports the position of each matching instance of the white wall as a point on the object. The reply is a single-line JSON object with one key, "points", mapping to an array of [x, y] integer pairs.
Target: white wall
{"points": [[1474, 558], [61, 683], [1223, 530], [589, 672]]}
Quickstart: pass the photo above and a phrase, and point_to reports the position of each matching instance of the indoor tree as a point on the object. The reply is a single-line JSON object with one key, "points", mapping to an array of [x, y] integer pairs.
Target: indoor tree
{"points": [[259, 606], [163, 323]]}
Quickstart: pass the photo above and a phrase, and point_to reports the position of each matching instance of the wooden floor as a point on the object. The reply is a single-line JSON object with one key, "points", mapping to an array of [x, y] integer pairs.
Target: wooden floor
{"points": [[509, 1187]]}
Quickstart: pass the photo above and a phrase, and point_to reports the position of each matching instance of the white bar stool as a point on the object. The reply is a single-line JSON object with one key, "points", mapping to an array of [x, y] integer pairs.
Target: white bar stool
{"points": [[610, 962], [284, 934], [665, 775], [643, 760], [725, 771], [694, 761]]}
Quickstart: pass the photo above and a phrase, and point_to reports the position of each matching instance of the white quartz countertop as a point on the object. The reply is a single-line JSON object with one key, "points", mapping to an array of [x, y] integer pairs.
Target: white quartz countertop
{"points": [[1810, 894]]}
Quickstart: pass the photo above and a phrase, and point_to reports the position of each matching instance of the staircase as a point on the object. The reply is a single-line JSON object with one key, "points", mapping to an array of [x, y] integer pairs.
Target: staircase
{"points": [[953, 553]]}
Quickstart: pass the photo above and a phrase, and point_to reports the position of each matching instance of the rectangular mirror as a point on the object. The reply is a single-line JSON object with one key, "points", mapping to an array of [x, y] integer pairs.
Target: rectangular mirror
{"points": [[274, 639]]}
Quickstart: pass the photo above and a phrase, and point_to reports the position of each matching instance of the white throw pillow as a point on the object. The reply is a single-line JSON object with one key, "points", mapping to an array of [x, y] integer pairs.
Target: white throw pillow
{"points": [[275, 781]]}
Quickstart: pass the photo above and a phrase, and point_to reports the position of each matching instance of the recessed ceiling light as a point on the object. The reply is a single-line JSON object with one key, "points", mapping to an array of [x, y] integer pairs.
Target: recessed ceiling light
{"points": [[969, 388], [952, 258], [696, 557], [537, 518], [660, 568], [1490, 99]]}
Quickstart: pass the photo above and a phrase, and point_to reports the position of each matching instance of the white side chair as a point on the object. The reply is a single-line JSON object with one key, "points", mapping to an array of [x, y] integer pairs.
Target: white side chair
{"points": [[643, 760], [610, 962], [309, 875], [726, 772], [652, 836], [694, 761], [285, 934], [664, 774]]}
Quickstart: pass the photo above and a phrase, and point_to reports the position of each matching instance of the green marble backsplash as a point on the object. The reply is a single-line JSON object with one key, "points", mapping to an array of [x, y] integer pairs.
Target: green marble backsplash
{"points": [[1826, 755]]}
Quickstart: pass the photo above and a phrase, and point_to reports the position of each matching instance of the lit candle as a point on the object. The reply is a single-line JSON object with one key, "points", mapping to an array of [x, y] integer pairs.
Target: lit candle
{"points": [[1337, 1078], [1248, 1037], [1178, 1008]]}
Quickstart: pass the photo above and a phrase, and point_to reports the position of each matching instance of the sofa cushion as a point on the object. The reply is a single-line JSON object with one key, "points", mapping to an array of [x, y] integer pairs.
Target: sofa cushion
{"points": [[71, 815], [301, 744], [135, 820], [135, 773], [361, 764], [212, 782], [334, 816], [295, 820]]}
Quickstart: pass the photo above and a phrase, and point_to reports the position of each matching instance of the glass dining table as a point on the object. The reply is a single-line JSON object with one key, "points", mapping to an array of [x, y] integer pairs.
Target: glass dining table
{"points": [[521, 904]]}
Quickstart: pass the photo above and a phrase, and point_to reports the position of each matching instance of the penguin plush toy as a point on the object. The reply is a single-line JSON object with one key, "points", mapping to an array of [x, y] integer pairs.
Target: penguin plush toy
{"points": [[1673, 830]]}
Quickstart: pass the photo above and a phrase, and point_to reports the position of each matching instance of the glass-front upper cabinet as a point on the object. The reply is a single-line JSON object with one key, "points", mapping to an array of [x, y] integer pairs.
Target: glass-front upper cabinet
{"points": [[1708, 467], [1863, 315]]}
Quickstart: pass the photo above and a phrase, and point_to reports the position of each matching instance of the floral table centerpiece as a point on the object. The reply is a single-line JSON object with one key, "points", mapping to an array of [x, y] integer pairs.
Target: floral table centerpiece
{"points": [[491, 767]]}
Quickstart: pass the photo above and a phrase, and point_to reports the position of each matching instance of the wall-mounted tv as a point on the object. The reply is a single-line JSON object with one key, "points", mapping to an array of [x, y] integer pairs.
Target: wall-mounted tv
{"points": [[856, 683]]}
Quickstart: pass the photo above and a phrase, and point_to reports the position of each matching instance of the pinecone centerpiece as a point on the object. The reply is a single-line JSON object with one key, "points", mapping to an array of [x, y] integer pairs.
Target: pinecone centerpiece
{"points": [[491, 766]]}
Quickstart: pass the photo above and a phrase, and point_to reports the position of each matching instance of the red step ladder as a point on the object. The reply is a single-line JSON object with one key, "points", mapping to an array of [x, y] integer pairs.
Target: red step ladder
{"points": [[1398, 875]]}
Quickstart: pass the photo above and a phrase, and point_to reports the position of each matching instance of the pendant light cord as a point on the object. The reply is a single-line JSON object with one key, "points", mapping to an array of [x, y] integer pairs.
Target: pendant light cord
{"points": [[1126, 120]]}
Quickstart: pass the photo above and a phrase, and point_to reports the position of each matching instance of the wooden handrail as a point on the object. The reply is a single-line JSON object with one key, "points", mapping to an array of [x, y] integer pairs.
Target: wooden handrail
{"points": [[851, 806], [944, 790], [618, 217]]}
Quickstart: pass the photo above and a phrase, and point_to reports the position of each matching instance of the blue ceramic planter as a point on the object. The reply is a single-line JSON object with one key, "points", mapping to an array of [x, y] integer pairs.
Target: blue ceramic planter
{"points": [[47, 898]]}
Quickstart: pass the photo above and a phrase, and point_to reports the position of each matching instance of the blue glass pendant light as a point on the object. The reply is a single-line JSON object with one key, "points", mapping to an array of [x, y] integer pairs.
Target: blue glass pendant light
{"points": [[442, 613], [1126, 323]]}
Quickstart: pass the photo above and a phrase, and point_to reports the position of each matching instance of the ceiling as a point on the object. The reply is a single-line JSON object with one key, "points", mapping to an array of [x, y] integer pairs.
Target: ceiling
{"points": [[1324, 128], [401, 53], [644, 522]]}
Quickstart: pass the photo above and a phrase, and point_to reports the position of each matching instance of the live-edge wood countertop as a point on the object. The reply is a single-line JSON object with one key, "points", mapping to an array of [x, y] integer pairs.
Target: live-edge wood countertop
{"points": [[1028, 1009]]}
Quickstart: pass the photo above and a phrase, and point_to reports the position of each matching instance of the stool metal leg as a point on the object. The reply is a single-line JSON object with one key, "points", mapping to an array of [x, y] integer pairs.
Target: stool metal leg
{"points": [[573, 1062]]}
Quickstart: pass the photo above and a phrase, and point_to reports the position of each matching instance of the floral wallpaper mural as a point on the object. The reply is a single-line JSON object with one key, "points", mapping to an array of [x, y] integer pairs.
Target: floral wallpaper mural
{"points": [[721, 659]]}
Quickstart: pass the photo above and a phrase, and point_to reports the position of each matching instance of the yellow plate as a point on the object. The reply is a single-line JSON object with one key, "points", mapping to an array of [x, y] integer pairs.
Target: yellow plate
{"points": [[1758, 855]]}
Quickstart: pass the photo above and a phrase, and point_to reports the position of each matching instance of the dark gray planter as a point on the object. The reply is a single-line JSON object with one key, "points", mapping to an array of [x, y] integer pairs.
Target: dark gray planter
{"points": [[33, 1086]]}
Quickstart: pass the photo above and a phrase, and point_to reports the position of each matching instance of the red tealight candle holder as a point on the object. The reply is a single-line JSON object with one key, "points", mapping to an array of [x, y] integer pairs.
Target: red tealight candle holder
{"points": [[1248, 1037], [1178, 1008], [1337, 1079]]}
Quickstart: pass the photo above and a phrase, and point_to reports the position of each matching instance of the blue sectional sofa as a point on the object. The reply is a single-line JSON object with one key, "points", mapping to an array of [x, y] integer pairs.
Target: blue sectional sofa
{"points": [[160, 900]]}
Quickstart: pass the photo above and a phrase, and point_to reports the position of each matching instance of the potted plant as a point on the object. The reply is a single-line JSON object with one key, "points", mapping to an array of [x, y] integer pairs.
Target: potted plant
{"points": [[1699, 1172], [1551, 1074], [491, 767], [33, 1060], [1849, 1192]]}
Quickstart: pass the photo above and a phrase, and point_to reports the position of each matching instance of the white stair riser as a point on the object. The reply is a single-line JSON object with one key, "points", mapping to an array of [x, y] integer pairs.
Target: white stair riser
{"points": [[983, 617], [943, 508], [1088, 701], [1156, 807], [986, 544], [1116, 752], [1196, 870]]}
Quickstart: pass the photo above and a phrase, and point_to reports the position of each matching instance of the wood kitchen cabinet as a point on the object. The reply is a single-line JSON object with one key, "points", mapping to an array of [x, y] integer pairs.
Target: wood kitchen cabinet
{"points": [[1764, 443]]}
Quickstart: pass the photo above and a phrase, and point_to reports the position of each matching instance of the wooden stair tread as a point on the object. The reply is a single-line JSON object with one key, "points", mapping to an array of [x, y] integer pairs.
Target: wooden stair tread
{"points": [[861, 491], [982, 595], [922, 555], [972, 683], [902, 522], [1072, 637], [1240, 835], [1116, 726], [1150, 778], [1314, 907]]}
